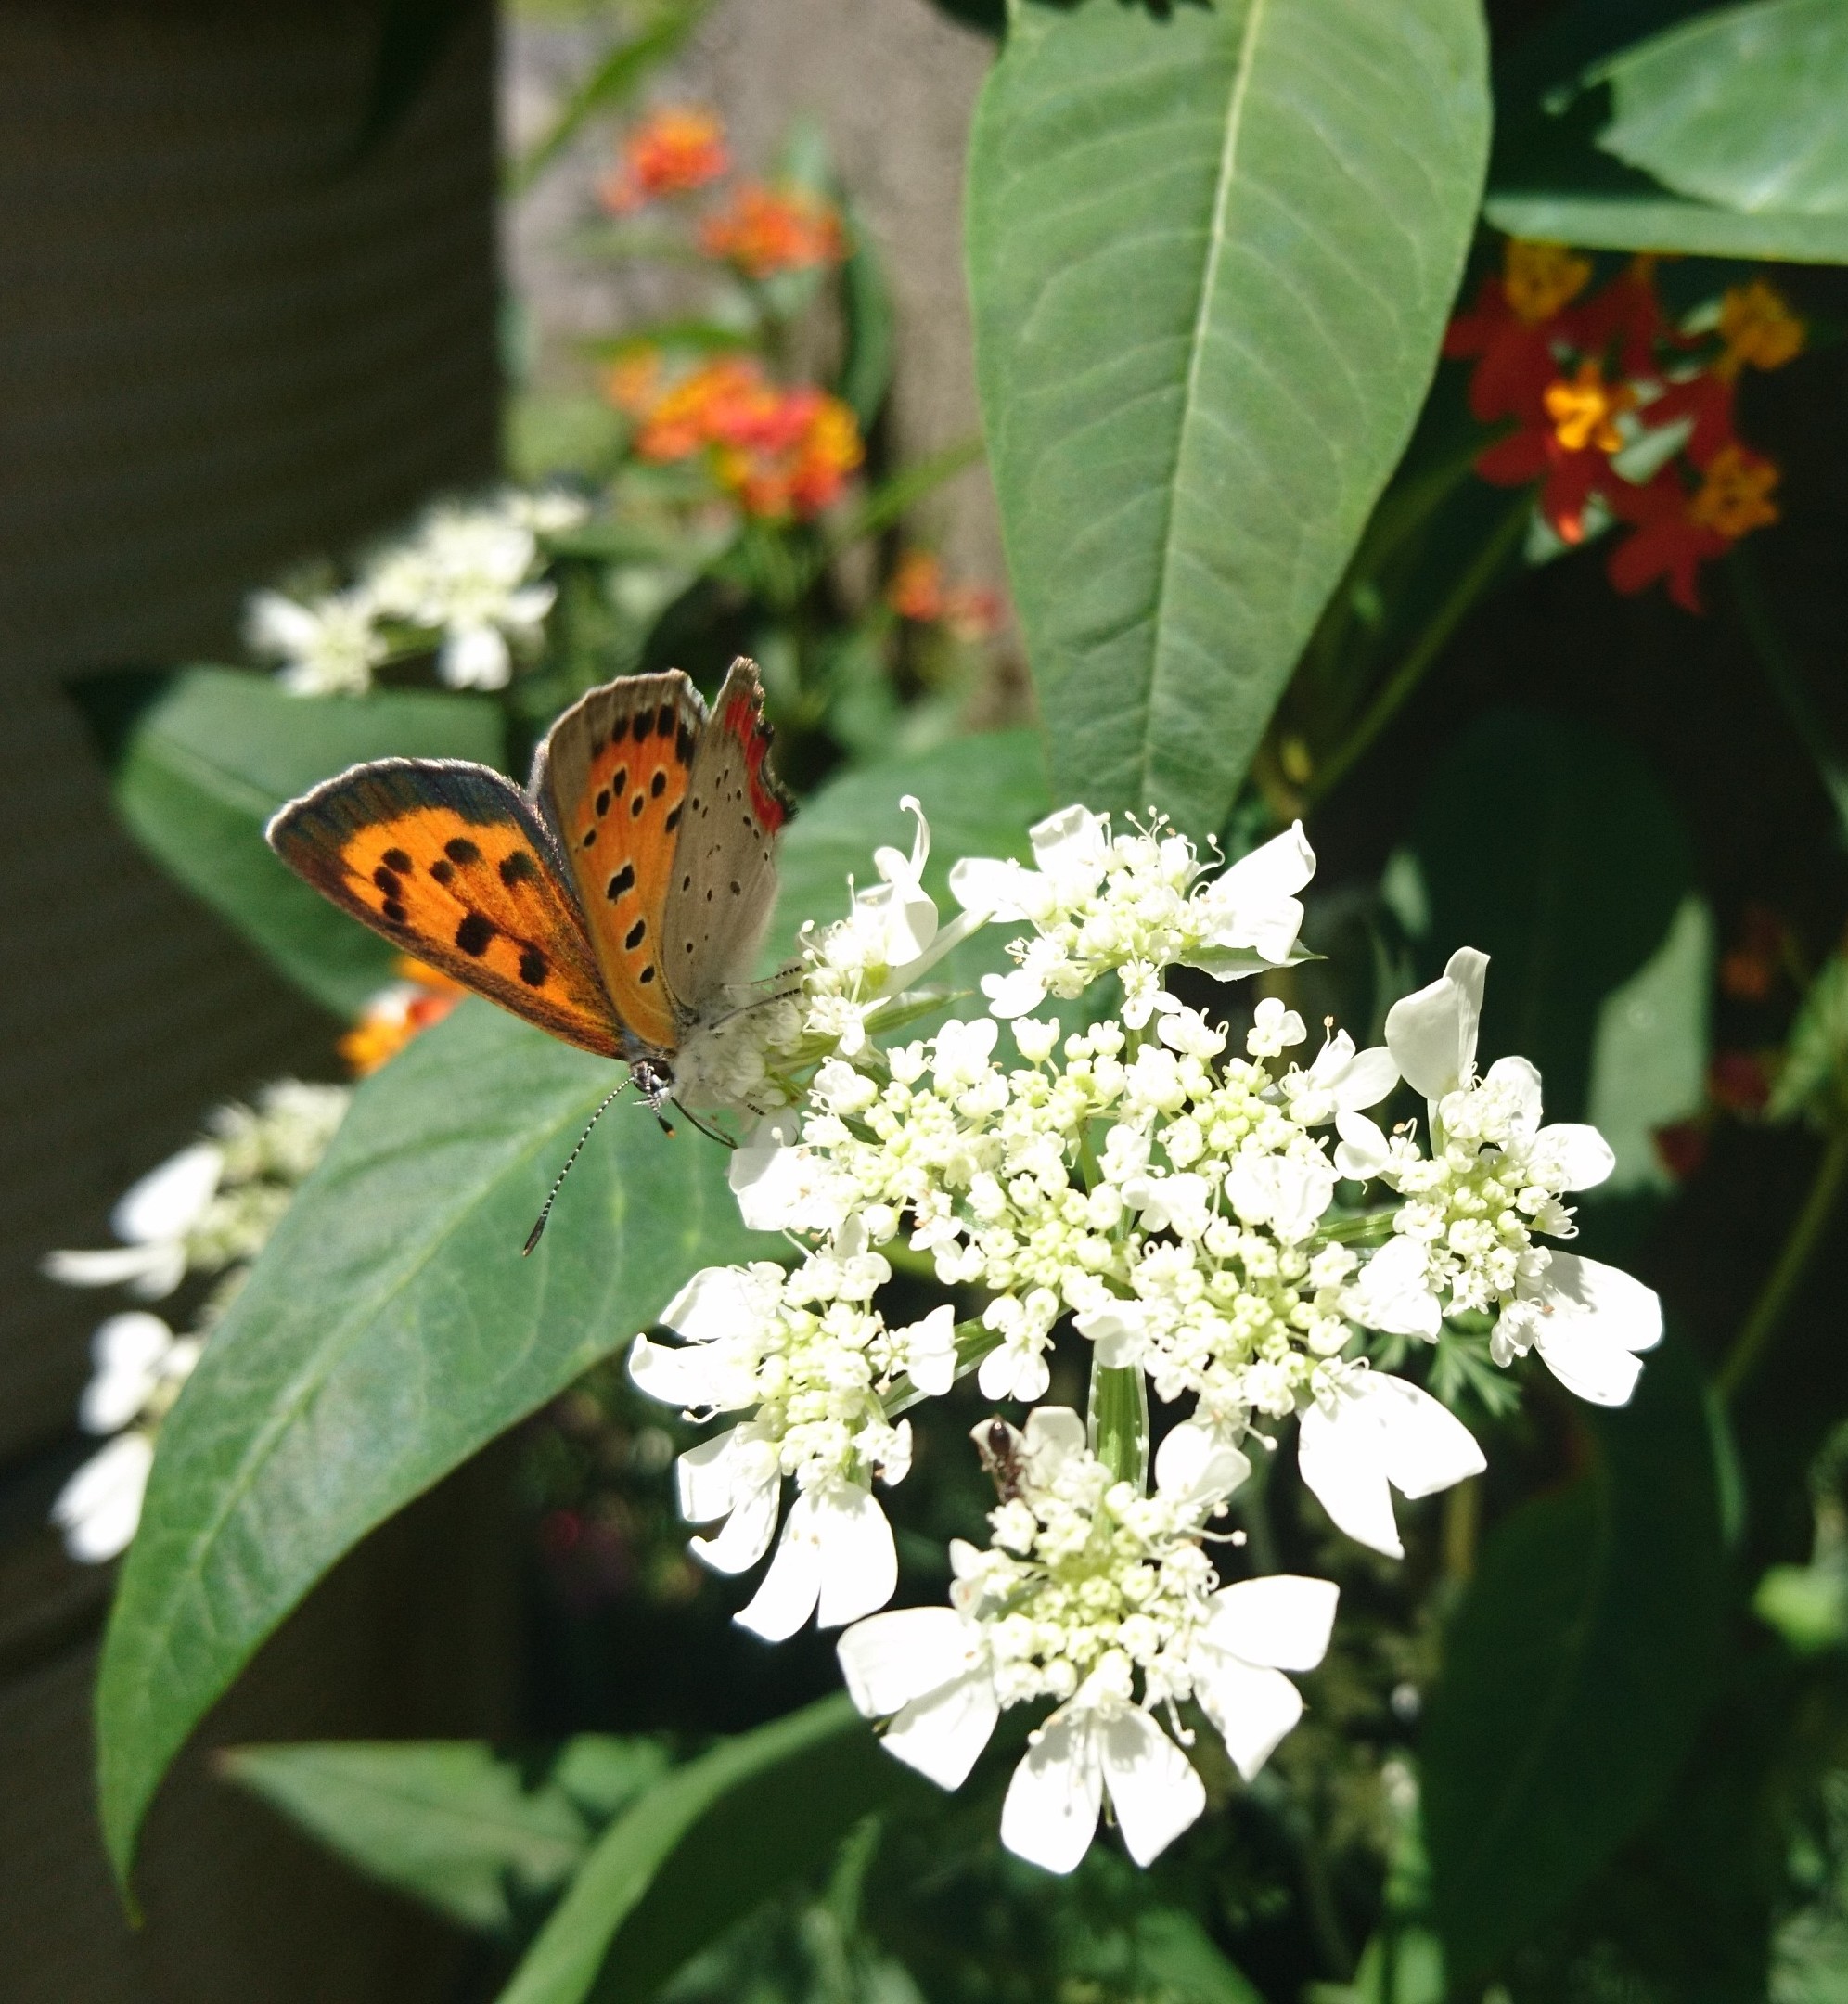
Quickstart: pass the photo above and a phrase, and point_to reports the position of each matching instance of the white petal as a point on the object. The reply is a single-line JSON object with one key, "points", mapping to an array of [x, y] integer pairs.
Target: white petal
{"points": [[889, 1659], [980, 884], [1432, 1033], [790, 1590], [1580, 1157], [1362, 1151], [1428, 1447], [943, 1733], [1391, 1292], [859, 1561], [1366, 1081], [713, 1304], [930, 1351], [474, 657], [1253, 1709], [1117, 1331], [1518, 1078], [1280, 1622], [1071, 838], [1587, 1362], [768, 1180], [170, 1200], [99, 1508], [707, 1477], [145, 1265], [748, 1531], [1199, 1462], [129, 1350], [1019, 994], [693, 1376], [1153, 1787], [1013, 1371], [1053, 1801], [1055, 1434], [1625, 1310], [1341, 1458]]}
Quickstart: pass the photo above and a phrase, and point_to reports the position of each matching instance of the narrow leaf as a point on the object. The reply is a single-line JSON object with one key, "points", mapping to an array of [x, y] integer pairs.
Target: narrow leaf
{"points": [[478, 1835], [198, 765], [1211, 253], [390, 1331]]}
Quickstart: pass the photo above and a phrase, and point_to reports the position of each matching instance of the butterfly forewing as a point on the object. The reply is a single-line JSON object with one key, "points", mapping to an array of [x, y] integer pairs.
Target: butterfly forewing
{"points": [[450, 863], [612, 779], [725, 874]]}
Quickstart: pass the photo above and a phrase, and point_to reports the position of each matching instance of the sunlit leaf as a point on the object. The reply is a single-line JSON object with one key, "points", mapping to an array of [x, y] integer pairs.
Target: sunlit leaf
{"points": [[389, 1331], [200, 764], [1211, 251]]}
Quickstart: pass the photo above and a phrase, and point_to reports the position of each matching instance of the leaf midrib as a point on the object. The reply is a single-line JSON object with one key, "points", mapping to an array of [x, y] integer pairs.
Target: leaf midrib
{"points": [[1222, 197]]}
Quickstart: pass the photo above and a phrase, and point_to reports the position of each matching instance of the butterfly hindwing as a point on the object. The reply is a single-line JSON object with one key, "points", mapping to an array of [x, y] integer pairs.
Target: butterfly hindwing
{"points": [[450, 863], [612, 778], [725, 875]]}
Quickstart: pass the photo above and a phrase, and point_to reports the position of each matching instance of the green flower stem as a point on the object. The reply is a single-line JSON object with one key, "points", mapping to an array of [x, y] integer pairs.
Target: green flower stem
{"points": [[1423, 651], [1787, 1275], [1118, 1422], [1365, 1230]]}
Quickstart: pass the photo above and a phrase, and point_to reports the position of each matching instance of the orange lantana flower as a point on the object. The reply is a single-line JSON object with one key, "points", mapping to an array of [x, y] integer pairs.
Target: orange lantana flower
{"points": [[672, 151], [422, 996], [779, 451], [766, 230]]}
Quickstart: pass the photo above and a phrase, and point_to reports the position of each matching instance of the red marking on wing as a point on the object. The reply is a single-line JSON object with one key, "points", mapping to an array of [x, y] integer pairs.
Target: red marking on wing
{"points": [[742, 720]]}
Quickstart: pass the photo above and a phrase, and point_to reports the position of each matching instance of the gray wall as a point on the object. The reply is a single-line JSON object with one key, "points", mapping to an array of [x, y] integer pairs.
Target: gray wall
{"points": [[220, 349]]}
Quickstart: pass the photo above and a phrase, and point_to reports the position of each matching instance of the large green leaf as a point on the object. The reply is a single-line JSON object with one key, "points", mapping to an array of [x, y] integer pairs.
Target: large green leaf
{"points": [[1571, 881], [1212, 250], [199, 764], [1742, 108], [1575, 1671], [1719, 136], [479, 1835], [704, 1847], [390, 1329]]}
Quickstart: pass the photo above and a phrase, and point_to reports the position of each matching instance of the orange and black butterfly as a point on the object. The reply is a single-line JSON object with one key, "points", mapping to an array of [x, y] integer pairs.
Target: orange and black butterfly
{"points": [[616, 902]]}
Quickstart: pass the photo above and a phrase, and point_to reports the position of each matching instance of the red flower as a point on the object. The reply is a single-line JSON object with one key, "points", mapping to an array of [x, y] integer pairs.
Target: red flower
{"points": [[1681, 1148], [769, 230], [1738, 1080], [1677, 531], [1566, 447], [1513, 326]]}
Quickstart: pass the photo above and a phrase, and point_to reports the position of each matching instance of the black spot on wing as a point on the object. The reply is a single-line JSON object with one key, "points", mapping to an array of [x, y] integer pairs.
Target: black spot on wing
{"points": [[397, 860], [636, 934], [658, 785], [620, 884], [533, 967], [475, 934], [394, 911], [602, 804], [443, 872], [517, 868], [459, 849], [388, 881]]}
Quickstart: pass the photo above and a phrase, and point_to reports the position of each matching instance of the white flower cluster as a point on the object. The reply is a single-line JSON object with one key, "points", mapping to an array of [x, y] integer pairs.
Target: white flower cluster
{"points": [[465, 582], [1101, 1598], [1183, 1207], [210, 1209]]}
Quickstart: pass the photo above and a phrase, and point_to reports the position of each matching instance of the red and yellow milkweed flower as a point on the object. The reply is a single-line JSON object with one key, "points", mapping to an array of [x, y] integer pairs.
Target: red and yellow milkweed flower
{"points": [[672, 151]]}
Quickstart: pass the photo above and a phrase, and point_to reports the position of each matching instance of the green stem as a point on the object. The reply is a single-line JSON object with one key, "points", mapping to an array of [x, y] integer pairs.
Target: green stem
{"points": [[1119, 1424], [974, 1340], [1785, 1277], [1392, 693], [1787, 681], [1369, 1225]]}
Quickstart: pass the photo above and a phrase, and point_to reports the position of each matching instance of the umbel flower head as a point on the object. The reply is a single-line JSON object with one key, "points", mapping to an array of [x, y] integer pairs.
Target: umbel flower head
{"points": [[1190, 1216]]}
